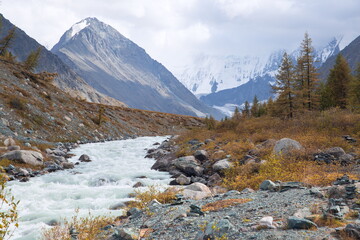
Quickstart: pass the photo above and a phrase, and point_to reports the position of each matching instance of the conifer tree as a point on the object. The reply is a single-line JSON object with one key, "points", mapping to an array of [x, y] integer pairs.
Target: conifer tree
{"points": [[255, 107], [307, 76], [6, 41], [246, 110], [236, 114], [284, 86], [338, 83], [270, 107], [32, 60], [354, 91]]}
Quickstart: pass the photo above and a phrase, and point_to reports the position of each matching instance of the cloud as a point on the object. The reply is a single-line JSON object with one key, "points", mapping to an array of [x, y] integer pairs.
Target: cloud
{"points": [[173, 32]]}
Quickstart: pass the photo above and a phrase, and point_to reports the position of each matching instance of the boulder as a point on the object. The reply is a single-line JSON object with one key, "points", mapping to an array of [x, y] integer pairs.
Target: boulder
{"points": [[266, 223], [286, 145], [201, 155], [84, 158], [300, 223], [24, 156], [189, 166], [268, 185], [138, 184], [67, 165], [217, 230], [346, 159], [13, 148], [214, 179], [163, 163], [9, 142], [353, 230], [183, 180], [221, 165], [337, 152], [196, 191]]}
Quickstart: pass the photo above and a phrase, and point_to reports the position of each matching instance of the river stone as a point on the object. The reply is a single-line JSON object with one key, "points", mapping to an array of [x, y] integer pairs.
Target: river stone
{"points": [[196, 191], [9, 142], [24, 156], [222, 165], [189, 166], [67, 165], [183, 180], [84, 158], [201, 155], [300, 223], [286, 145]]}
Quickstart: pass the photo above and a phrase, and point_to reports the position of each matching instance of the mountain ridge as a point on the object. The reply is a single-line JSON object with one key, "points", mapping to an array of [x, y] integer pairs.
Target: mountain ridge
{"points": [[119, 68]]}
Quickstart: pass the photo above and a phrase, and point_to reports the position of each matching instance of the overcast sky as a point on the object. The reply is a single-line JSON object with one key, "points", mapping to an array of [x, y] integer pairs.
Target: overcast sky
{"points": [[174, 31]]}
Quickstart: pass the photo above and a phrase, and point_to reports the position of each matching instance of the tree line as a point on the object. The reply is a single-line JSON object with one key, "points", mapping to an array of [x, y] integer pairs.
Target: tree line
{"points": [[298, 88], [32, 59]]}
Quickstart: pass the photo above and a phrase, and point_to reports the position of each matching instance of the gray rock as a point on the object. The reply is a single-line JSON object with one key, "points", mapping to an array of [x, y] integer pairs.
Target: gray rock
{"points": [[154, 203], [138, 184], [217, 229], [24, 156], [67, 165], [214, 179], [5, 122], [13, 148], [300, 223], [232, 193], [201, 155], [222, 165], [337, 152], [84, 158], [9, 142], [134, 212], [267, 222], [183, 180], [353, 230], [27, 144], [189, 166], [286, 145], [346, 159], [267, 185], [196, 191], [316, 192], [127, 234], [117, 206], [248, 190]]}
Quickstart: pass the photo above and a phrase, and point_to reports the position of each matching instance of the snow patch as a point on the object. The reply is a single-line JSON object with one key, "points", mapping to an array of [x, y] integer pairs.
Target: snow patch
{"points": [[76, 28]]}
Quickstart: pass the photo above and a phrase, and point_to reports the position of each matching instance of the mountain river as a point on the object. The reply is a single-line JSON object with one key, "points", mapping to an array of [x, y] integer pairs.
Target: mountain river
{"points": [[94, 186]]}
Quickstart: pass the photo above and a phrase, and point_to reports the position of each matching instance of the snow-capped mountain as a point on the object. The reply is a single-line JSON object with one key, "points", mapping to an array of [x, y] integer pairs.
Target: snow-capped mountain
{"points": [[117, 67], [210, 74], [225, 82]]}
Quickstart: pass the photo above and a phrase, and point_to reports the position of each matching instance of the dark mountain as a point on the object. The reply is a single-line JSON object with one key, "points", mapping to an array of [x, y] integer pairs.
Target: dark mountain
{"points": [[117, 67], [351, 53], [22, 45], [260, 86]]}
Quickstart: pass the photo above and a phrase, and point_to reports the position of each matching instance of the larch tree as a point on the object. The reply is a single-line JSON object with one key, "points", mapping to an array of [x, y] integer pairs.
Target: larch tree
{"points": [[32, 60], [337, 85], [254, 110], [284, 86], [246, 109], [307, 81], [6, 41]]}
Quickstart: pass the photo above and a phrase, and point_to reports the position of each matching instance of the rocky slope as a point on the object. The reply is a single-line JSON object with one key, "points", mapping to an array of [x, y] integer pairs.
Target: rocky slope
{"points": [[22, 45], [33, 109], [119, 68], [351, 53]]}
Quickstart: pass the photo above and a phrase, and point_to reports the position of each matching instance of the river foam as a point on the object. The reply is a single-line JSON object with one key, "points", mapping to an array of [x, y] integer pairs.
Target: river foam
{"points": [[95, 186]]}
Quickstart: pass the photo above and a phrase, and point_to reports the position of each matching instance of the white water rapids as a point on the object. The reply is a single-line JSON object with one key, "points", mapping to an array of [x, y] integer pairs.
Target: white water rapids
{"points": [[94, 186]]}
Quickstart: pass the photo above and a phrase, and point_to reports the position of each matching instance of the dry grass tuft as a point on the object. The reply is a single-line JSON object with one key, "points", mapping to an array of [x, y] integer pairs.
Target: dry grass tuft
{"points": [[142, 198], [88, 228], [217, 205]]}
